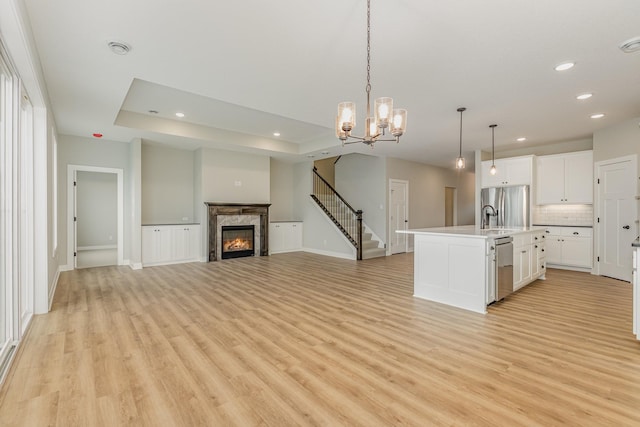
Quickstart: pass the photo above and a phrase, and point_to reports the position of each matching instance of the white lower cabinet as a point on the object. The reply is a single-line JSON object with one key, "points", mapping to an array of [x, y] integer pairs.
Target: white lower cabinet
{"points": [[569, 246], [636, 293], [170, 244], [528, 257], [285, 237]]}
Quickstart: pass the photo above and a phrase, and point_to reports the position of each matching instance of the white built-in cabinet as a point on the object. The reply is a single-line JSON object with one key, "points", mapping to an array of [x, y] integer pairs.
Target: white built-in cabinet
{"points": [[528, 257], [285, 236], [170, 244], [511, 171], [569, 246], [565, 178]]}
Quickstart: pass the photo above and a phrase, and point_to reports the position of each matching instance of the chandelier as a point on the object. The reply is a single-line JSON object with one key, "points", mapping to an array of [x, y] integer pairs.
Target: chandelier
{"points": [[385, 117]]}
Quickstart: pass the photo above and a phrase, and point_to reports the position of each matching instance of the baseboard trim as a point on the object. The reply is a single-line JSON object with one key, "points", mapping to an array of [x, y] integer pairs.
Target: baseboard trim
{"points": [[97, 248], [54, 285], [329, 253], [567, 267], [135, 265]]}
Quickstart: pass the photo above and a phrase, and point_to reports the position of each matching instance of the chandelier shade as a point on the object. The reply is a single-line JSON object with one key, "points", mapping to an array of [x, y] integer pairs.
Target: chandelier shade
{"points": [[384, 115]]}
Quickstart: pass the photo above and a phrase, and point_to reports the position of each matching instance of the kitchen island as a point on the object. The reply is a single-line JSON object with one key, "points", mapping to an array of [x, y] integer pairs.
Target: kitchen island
{"points": [[455, 265]]}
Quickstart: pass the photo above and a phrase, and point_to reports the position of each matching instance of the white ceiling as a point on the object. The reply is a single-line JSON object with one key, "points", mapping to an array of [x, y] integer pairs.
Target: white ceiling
{"points": [[242, 70]]}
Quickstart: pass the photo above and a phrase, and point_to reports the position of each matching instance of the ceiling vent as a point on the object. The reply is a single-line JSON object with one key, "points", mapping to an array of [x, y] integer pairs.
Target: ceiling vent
{"points": [[119, 48], [631, 45]]}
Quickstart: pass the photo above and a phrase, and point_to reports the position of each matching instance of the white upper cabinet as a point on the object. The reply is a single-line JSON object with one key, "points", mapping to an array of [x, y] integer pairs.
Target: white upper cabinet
{"points": [[513, 171], [565, 179]]}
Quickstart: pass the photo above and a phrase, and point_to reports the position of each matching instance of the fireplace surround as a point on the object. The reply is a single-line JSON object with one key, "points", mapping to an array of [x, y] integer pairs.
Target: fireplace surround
{"points": [[243, 212]]}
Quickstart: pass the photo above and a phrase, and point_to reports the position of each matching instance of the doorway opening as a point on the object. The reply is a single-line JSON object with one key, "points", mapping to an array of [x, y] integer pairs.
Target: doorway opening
{"points": [[95, 217], [450, 206]]}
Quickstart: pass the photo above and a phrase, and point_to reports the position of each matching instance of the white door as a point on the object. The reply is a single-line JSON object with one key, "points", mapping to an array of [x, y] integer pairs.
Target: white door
{"points": [[616, 214], [398, 214]]}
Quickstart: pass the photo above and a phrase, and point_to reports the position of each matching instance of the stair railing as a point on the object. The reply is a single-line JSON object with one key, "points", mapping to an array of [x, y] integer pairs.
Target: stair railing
{"points": [[347, 219]]}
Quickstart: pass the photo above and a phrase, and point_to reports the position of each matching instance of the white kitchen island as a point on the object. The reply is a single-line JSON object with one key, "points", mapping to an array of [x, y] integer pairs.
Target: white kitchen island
{"points": [[454, 265]]}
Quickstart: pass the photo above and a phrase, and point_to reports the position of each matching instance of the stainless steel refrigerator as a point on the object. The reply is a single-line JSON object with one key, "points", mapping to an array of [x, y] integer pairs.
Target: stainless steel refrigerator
{"points": [[510, 206]]}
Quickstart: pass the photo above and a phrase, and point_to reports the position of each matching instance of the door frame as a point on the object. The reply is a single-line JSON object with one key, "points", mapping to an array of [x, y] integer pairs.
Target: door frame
{"points": [[72, 171], [633, 158], [389, 225]]}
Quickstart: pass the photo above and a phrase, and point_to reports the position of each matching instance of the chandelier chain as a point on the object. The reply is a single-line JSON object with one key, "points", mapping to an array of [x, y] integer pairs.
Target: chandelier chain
{"points": [[368, 88]]}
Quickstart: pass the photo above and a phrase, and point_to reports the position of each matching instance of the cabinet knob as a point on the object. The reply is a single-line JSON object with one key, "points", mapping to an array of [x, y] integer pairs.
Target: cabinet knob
{"points": [[575, 233], [626, 227], [536, 246]]}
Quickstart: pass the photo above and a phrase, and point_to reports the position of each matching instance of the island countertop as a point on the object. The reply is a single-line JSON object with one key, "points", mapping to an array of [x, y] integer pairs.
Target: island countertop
{"points": [[472, 231]]}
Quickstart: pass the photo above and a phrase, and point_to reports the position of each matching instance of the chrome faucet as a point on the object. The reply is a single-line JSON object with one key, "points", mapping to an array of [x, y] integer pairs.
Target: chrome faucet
{"points": [[486, 222]]}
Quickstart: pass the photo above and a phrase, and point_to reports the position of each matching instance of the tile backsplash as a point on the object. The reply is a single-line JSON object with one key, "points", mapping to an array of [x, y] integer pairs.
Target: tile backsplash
{"points": [[563, 214]]}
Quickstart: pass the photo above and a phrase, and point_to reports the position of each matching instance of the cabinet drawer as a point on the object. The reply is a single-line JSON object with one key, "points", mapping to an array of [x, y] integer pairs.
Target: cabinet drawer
{"points": [[577, 231], [522, 239]]}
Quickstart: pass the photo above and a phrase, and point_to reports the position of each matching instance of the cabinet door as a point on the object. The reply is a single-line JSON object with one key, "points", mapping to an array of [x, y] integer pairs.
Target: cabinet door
{"points": [[535, 260], [576, 251], [149, 246], [553, 249], [518, 171], [550, 180], [525, 264], [185, 243], [164, 242], [295, 236], [517, 268], [579, 178], [276, 238]]}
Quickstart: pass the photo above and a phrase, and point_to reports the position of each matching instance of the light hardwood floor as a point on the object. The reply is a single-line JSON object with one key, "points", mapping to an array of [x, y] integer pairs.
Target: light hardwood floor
{"points": [[301, 339]]}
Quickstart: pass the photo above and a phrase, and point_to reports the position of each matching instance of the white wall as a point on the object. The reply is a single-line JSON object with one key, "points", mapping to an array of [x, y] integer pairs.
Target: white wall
{"points": [[361, 181], [617, 141], [234, 177], [320, 234], [91, 152], [96, 209], [167, 185], [427, 192], [281, 187]]}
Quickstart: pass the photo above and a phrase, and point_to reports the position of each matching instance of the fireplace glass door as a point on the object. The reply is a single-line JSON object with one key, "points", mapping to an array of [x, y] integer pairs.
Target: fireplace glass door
{"points": [[237, 241]]}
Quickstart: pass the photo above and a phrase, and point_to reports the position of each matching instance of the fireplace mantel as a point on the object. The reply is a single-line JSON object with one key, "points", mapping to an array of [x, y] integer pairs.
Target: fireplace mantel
{"points": [[259, 209]]}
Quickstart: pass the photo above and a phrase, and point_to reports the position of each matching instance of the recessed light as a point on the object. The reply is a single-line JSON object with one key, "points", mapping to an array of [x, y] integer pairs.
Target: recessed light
{"points": [[181, 115], [324, 152], [153, 111], [119, 48], [97, 135], [521, 139], [311, 156], [276, 134], [584, 96], [564, 66], [631, 45], [597, 116]]}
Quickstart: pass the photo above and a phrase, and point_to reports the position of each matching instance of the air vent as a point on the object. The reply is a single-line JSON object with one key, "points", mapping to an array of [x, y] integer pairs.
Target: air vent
{"points": [[119, 48], [631, 45]]}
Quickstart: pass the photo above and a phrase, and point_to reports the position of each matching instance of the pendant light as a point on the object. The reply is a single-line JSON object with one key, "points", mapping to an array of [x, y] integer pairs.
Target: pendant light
{"points": [[493, 170], [460, 163], [385, 116]]}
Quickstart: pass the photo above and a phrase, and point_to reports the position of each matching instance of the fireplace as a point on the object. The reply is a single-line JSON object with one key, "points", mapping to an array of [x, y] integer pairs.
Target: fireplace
{"points": [[223, 214], [237, 241]]}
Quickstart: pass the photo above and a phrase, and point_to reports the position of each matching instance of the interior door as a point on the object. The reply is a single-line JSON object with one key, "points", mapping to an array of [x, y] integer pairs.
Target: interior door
{"points": [[398, 214], [617, 214]]}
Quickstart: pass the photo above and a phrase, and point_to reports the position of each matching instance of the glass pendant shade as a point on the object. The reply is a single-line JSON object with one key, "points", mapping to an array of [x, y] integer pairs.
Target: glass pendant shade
{"points": [[493, 170], [340, 134], [399, 122], [460, 163], [383, 111], [347, 115], [372, 128]]}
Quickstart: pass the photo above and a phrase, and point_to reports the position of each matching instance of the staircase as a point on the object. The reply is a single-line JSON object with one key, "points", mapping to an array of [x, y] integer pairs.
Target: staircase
{"points": [[370, 247], [347, 219]]}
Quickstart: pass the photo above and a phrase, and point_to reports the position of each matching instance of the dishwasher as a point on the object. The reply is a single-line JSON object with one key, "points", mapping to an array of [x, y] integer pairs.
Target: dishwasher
{"points": [[504, 266]]}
